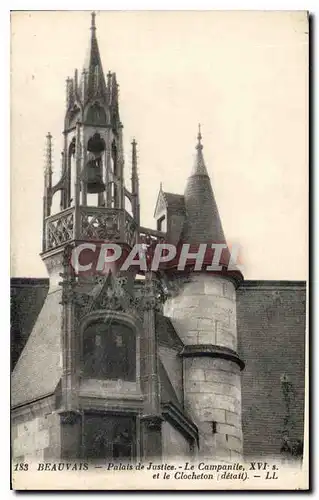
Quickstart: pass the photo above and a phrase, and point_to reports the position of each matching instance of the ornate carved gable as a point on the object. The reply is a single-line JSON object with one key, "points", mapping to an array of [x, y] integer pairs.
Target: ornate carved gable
{"points": [[112, 293]]}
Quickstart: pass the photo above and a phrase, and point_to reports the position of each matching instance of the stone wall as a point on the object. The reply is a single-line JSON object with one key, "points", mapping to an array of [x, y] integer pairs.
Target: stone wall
{"points": [[174, 444], [213, 396], [204, 312], [271, 319], [36, 438]]}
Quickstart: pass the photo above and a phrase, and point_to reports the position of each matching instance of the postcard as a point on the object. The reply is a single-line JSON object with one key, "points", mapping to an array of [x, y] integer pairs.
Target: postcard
{"points": [[159, 250]]}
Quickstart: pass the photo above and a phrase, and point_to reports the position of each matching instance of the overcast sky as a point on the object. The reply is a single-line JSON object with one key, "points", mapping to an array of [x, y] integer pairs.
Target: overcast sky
{"points": [[242, 75]]}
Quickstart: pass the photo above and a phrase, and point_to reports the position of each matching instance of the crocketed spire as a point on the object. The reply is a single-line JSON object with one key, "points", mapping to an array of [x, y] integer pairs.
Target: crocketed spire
{"points": [[203, 224], [92, 69]]}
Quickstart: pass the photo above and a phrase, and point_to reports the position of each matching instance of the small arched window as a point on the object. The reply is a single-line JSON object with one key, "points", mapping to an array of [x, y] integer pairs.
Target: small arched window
{"points": [[109, 351]]}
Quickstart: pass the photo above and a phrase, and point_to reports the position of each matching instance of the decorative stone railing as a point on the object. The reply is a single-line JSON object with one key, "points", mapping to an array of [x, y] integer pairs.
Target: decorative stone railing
{"points": [[58, 229], [89, 224], [151, 236]]}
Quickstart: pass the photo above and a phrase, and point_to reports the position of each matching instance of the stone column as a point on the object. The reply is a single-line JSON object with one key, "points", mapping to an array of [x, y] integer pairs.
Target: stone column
{"points": [[151, 419]]}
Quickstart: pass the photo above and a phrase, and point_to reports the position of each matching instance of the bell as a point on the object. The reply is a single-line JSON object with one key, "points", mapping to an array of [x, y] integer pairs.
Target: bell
{"points": [[93, 176]]}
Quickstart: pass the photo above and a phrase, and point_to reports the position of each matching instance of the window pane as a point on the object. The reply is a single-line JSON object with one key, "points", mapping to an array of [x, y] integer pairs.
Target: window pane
{"points": [[109, 351]]}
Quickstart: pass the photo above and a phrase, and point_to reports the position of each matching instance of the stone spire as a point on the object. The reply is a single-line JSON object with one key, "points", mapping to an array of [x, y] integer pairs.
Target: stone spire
{"points": [[92, 70], [203, 224]]}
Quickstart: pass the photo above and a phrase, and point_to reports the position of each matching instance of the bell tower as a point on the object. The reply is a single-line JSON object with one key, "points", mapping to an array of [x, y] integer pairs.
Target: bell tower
{"points": [[86, 383], [92, 158], [95, 378]]}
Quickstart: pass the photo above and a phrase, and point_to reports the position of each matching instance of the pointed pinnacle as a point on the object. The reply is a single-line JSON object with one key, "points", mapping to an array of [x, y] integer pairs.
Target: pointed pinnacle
{"points": [[199, 138], [48, 154], [93, 27]]}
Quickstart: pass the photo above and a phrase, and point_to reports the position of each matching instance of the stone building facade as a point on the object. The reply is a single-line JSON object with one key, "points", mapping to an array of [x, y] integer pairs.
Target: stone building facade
{"points": [[179, 363]]}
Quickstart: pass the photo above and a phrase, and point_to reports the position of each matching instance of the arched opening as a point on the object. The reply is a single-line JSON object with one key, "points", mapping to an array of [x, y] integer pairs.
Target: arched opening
{"points": [[94, 175], [56, 203], [109, 351], [109, 436], [96, 115], [96, 144]]}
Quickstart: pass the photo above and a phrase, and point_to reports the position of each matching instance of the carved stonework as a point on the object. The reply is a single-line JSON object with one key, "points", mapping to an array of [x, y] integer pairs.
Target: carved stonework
{"points": [[100, 225], [130, 231], [54, 263], [70, 417], [149, 239], [153, 422], [111, 293], [149, 242], [59, 230]]}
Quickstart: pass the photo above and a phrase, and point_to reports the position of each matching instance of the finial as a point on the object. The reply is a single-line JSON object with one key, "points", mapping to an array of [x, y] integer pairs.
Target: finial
{"points": [[161, 186], [62, 162], [134, 177], [199, 138], [134, 158], [93, 27], [48, 154]]}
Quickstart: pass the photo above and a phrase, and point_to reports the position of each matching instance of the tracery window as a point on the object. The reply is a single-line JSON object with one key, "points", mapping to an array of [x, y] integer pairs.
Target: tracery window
{"points": [[109, 351]]}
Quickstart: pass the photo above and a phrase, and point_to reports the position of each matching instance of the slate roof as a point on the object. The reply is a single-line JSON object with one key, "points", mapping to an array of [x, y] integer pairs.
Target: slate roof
{"points": [[203, 224], [175, 201], [166, 332], [27, 298], [39, 369], [168, 394]]}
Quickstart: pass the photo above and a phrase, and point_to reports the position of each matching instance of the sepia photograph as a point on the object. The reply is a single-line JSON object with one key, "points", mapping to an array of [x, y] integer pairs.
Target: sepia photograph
{"points": [[159, 250]]}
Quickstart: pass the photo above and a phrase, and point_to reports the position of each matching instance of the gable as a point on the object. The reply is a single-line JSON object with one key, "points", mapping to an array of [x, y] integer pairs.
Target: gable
{"points": [[160, 206]]}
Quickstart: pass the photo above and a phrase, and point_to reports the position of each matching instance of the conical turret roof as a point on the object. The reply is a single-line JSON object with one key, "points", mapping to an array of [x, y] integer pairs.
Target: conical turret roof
{"points": [[203, 224]]}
